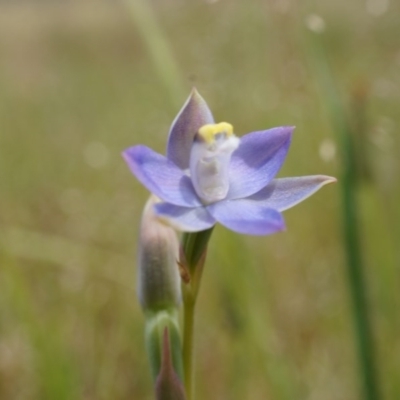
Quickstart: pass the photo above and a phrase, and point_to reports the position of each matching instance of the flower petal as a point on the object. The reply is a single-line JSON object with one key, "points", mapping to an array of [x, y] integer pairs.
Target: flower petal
{"points": [[193, 115], [257, 160], [247, 216], [285, 193], [161, 176], [184, 218]]}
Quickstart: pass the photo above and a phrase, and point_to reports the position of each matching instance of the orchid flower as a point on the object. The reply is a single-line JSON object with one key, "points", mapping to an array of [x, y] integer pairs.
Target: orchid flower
{"points": [[210, 175]]}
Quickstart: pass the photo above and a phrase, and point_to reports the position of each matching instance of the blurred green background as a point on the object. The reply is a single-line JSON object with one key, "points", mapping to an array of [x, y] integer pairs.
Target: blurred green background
{"points": [[82, 80]]}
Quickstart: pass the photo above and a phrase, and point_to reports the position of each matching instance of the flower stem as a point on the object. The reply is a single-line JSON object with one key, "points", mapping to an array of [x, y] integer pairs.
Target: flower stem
{"points": [[188, 334], [194, 248]]}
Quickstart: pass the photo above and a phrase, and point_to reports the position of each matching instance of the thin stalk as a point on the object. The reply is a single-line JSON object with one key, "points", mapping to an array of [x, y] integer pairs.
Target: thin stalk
{"points": [[358, 286], [158, 47], [188, 335], [194, 247], [355, 271]]}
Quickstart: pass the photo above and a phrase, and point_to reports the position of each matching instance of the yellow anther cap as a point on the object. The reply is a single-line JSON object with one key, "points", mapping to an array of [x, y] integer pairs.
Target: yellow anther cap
{"points": [[209, 131]]}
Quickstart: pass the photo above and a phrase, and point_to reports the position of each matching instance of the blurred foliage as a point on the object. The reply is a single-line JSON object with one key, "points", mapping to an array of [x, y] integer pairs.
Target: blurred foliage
{"points": [[78, 83]]}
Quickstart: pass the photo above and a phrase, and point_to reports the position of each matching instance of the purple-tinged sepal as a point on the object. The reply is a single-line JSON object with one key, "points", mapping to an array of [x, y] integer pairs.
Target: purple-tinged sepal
{"points": [[257, 160], [185, 219], [194, 114], [284, 193], [161, 176], [247, 217]]}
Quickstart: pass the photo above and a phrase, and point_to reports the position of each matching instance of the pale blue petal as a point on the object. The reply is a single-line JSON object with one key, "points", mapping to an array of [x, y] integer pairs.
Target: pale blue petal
{"points": [[247, 216], [161, 176], [193, 115], [185, 219], [285, 193], [257, 160]]}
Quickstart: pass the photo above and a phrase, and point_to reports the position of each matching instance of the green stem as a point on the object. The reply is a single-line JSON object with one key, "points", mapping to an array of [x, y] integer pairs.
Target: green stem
{"points": [[355, 268], [194, 246], [188, 334], [358, 289], [159, 48]]}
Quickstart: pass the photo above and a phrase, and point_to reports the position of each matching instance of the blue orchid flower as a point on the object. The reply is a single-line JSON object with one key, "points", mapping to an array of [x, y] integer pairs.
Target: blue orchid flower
{"points": [[210, 175]]}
